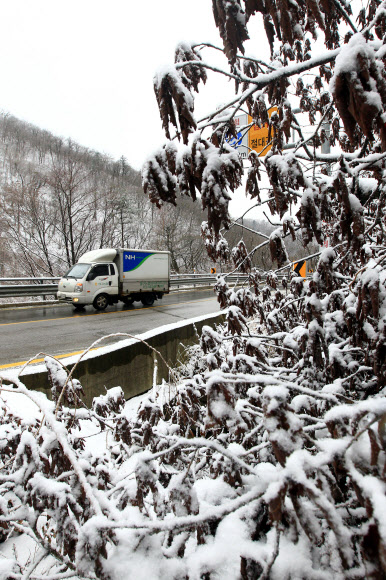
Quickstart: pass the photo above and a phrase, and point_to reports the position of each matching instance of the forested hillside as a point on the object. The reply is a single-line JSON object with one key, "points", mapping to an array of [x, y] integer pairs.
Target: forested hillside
{"points": [[59, 200]]}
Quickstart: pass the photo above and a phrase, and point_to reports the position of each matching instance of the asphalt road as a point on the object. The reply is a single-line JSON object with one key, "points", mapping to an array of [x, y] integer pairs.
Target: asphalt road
{"points": [[60, 330]]}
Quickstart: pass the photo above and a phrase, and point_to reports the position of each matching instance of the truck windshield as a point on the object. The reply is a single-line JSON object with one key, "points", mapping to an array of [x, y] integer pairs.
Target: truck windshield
{"points": [[77, 271]]}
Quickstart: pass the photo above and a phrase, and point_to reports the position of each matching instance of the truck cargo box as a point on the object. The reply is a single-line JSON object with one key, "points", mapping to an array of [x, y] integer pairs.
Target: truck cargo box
{"points": [[143, 270]]}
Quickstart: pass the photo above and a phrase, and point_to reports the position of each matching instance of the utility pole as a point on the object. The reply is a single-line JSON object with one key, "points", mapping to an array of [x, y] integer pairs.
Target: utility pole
{"points": [[326, 148]]}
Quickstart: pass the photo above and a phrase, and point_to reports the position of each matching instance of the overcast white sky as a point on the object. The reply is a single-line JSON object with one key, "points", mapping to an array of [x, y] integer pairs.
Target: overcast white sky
{"points": [[84, 68]]}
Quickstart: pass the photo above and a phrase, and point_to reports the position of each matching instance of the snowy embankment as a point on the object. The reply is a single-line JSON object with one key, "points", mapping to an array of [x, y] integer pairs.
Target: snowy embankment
{"points": [[202, 473]]}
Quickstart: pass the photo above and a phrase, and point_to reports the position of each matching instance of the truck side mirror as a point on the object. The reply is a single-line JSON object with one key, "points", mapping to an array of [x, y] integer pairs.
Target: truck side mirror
{"points": [[90, 276]]}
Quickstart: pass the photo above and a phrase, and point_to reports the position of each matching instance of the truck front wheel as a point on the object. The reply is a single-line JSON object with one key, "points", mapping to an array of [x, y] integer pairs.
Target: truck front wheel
{"points": [[147, 299], [101, 302]]}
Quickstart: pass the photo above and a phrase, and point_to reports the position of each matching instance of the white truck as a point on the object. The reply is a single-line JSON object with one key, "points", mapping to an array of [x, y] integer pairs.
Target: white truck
{"points": [[103, 277]]}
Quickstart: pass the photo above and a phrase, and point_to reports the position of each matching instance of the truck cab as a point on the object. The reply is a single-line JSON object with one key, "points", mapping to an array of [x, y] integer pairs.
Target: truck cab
{"points": [[89, 280], [103, 277]]}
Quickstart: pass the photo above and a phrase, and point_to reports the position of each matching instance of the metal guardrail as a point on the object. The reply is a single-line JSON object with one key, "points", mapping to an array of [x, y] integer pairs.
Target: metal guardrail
{"points": [[38, 288], [15, 291], [178, 280]]}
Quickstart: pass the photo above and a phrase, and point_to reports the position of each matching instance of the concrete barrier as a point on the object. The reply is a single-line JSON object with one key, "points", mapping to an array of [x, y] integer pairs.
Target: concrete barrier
{"points": [[128, 363]]}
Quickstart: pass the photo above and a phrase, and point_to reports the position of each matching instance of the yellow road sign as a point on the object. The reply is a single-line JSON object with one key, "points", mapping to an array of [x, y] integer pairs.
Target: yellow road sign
{"points": [[300, 268], [213, 270], [258, 137]]}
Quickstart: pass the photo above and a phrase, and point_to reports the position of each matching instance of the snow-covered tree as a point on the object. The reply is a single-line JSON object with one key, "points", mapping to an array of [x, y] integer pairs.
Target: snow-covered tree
{"points": [[325, 335]]}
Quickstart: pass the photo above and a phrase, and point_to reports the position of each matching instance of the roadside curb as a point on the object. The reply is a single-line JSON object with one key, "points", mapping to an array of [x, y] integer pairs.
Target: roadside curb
{"points": [[29, 304]]}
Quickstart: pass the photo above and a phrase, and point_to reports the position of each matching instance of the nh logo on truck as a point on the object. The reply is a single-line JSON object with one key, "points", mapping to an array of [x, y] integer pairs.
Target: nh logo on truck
{"points": [[133, 260]]}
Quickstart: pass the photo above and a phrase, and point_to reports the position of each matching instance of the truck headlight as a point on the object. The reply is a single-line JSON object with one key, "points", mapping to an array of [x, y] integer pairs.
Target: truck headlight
{"points": [[78, 287]]}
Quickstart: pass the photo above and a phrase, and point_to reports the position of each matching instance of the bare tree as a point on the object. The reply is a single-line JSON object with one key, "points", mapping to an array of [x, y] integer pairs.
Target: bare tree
{"points": [[177, 229], [30, 224]]}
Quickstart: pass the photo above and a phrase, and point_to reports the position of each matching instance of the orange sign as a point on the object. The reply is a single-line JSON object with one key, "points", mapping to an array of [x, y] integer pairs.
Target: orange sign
{"points": [[258, 137], [300, 268]]}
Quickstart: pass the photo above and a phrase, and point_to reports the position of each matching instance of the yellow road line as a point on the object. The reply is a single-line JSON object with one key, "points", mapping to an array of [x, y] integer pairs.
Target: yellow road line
{"points": [[39, 360]]}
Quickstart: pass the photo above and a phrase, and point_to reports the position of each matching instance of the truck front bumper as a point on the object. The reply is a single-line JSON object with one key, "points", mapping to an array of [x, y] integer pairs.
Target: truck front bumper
{"points": [[73, 298]]}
